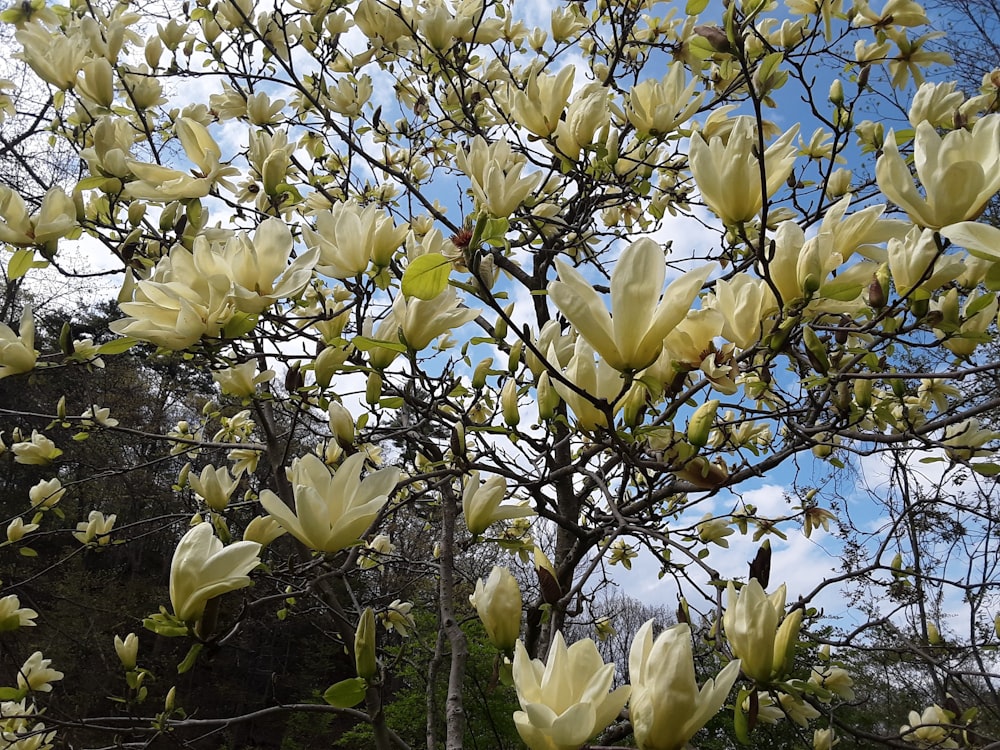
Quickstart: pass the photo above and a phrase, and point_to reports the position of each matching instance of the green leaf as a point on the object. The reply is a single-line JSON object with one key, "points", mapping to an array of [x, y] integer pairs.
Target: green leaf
{"points": [[741, 722], [346, 693], [495, 231], [12, 694], [986, 469], [366, 344], [27, 552], [22, 261], [165, 625], [117, 346], [190, 659], [978, 305], [694, 7], [426, 276]]}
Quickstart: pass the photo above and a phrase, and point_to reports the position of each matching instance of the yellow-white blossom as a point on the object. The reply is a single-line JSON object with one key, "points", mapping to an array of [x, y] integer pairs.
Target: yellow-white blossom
{"points": [[495, 174], [963, 328], [241, 380], [397, 617], [97, 528], [214, 486], [55, 57], [421, 321], [17, 529], [660, 107], [38, 451], [17, 351], [728, 173], [963, 440], [744, 302], [483, 503], [46, 493], [825, 739], [936, 103], [918, 266], [622, 553], [540, 105], [565, 700], [714, 530], [604, 628], [341, 423], [587, 114], [631, 336], [758, 631], [835, 679], [263, 530], [374, 550], [350, 237], [36, 674], [203, 568], [127, 650], [959, 172], [815, 517], [498, 603], [13, 615], [897, 12], [597, 379], [186, 297], [667, 707], [797, 709], [927, 730], [259, 268], [155, 182], [332, 511]]}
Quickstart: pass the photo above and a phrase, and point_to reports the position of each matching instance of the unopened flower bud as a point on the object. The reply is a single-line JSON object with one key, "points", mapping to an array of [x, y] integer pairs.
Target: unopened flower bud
{"points": [[508, 401], [364, 646], [837, 92], [342, 424], [127, 650]]}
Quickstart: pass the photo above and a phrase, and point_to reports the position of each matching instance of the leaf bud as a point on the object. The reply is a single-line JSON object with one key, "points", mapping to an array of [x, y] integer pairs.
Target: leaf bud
{"points": [[66, 340], [294, 378], [635, 404], [500, 329]]}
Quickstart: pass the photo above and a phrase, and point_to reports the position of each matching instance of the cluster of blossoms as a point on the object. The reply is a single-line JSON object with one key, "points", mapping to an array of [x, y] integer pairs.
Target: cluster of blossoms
{"points": [[565, 700], [288, 235]]}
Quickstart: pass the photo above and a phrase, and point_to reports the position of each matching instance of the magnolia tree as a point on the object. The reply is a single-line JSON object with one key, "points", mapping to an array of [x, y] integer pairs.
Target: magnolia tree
{"points": [[478, 284]]}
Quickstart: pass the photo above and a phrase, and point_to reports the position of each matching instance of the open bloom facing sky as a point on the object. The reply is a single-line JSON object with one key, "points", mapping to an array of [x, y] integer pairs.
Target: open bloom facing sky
{"points": [[564, 701], [332, 511], [959, 172], [642, 313], [666, 707], [729, 175]]}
